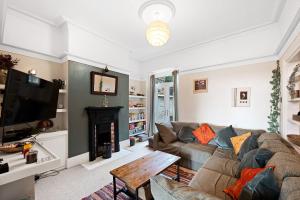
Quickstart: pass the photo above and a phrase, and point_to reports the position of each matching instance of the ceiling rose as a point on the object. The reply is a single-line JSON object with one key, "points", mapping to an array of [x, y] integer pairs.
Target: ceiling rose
{"points": [[157, 14]]}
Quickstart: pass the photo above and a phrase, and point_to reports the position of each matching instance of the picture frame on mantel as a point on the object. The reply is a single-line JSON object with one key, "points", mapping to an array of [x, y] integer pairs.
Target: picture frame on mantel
{"points": [[104, 84]]}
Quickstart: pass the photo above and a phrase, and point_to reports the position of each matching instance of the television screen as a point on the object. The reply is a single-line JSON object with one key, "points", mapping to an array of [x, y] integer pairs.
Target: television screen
{"points": [[28, 98]]}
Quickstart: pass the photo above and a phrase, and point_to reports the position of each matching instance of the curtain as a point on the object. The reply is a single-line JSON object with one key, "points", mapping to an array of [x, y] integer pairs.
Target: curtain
{"points": [[151, 105], [176, 83]]}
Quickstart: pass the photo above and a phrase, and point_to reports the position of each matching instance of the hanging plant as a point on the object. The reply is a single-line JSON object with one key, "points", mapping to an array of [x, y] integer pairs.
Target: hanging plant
{"points": [[274, 116], [291, 82]]}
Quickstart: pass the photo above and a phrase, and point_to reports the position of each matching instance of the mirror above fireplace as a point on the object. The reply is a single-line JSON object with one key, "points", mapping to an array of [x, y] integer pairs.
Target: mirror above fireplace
{"points": [[103, 84]]}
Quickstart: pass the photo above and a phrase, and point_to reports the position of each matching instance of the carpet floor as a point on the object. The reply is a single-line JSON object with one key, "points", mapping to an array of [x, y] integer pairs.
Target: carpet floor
{"points": [[106, 193]]}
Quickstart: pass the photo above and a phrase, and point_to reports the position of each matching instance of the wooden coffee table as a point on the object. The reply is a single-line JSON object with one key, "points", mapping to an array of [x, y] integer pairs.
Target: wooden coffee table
{"points": [[136, 174]]}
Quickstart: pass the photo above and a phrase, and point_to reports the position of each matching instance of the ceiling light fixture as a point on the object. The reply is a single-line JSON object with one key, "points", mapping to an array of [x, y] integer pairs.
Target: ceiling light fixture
{"points": [[157, 14]]}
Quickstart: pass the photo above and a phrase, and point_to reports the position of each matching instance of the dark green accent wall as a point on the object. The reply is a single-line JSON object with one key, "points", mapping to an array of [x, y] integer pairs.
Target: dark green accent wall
{"points": [[79, 97]]}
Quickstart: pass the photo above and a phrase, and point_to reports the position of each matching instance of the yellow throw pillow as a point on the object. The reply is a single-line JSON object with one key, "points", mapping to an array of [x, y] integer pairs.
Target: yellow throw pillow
{"points": [[237, 141]]}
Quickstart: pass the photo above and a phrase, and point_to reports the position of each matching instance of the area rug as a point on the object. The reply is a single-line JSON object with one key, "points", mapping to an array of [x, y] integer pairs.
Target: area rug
{"points": [[106, 193]]}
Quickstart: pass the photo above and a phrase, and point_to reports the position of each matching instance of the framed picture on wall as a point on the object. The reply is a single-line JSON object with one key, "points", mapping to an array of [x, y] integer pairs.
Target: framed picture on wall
{"points": [[200, 85], [241, 97], [103, 84]]}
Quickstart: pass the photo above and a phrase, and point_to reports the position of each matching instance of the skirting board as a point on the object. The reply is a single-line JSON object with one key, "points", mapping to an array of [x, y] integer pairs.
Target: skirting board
{"points": [[78, 160], [84, 158]]}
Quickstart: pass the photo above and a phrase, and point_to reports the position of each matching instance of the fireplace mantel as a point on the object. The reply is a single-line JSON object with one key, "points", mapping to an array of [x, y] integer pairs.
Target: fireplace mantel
{"points": [[99, 119]]}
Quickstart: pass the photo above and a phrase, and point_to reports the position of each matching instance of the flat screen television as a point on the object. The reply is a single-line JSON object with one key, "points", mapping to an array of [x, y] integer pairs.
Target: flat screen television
{"points": [[28, 98]]}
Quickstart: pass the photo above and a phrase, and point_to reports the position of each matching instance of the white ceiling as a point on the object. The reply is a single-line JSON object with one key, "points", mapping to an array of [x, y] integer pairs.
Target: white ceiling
{"points": [[195, 22]]}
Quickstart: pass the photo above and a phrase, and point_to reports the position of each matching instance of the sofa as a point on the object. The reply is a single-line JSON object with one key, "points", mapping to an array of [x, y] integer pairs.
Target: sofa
{"points": [[217, 168]]}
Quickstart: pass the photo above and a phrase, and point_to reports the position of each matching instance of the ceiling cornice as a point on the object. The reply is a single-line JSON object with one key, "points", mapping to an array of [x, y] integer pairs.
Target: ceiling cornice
{"points": [[224, 37], [276, 15]]}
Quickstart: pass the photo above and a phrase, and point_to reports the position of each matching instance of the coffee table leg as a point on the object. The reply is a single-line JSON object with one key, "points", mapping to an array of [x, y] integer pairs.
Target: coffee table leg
{"points": [[115, 188], [177, 171]]}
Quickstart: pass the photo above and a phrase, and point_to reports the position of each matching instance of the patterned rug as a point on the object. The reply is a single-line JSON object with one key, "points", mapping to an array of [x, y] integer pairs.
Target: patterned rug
{"points": [[106, 193]]}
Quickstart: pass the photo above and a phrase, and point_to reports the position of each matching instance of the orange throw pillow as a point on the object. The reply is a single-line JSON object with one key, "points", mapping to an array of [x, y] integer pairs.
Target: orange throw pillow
{"points": [[247, 175], [204, 134]]}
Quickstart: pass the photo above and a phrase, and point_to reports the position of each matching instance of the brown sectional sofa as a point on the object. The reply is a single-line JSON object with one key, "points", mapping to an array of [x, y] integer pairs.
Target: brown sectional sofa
{"points": [[217, 168]]}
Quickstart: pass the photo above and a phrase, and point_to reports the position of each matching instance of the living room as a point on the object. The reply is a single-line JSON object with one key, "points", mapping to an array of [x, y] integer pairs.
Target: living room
{"points": [[149, 99]]}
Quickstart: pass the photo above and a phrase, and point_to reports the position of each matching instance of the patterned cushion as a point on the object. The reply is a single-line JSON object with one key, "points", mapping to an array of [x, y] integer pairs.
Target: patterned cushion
{"points": [[204, 134], [262, 186], [247, 174], [248, 145], [238, 141], [286, 165]]}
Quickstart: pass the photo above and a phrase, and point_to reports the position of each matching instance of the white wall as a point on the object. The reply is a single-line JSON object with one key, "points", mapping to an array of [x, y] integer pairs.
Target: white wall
{"points": [[29, 33], [215, 106]]}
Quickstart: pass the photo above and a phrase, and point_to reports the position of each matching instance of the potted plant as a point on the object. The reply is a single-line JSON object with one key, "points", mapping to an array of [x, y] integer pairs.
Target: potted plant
{"points": [[6, 63]]}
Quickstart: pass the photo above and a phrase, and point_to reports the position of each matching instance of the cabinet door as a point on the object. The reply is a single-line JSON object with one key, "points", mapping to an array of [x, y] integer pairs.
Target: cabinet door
{"points": [[58, 146]]}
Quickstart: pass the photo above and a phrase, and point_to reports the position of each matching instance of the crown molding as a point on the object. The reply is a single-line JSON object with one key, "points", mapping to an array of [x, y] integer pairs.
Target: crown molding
{"points": [[30, 53], [238, 63], [204, 43], [29, 14], [77, 58], [288, 36]]}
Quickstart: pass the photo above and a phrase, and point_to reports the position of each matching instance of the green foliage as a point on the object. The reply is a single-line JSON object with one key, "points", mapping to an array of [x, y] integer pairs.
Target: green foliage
{"points": [[274, 116]]}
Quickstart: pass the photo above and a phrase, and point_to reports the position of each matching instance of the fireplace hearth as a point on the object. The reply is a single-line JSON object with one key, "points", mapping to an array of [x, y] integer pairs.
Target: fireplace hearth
{"points": [[103, 128]]}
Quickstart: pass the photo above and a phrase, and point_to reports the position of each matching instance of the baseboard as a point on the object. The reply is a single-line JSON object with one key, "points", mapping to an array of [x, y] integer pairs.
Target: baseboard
{"points": [[124, 144], [78, 160]]}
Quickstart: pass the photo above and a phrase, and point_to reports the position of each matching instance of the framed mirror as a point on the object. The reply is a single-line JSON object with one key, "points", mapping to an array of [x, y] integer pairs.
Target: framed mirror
{"points": [[103, 84]]}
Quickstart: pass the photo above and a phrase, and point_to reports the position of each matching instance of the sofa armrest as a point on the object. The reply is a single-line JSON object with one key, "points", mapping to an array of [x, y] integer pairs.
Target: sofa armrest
{"points": [[163, 188]]}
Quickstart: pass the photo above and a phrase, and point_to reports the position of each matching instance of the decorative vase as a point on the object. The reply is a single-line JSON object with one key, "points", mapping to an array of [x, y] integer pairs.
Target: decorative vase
{"points": [[3, 75]]}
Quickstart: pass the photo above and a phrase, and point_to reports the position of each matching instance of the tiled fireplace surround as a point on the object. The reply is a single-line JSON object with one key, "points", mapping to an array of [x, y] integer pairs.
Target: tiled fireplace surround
{"points": [[103, 128]]}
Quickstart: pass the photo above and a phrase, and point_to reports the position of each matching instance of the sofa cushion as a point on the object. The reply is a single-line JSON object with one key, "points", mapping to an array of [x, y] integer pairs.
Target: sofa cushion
{"points": [[247, 175], [290, 189], [237, 141], [238, 131], [178, 125], [250, 144], [166, 133], [262, 186], [172, 148], [275, 146], [256, 158], [286, 165], [204, 134], [212, 182], [267, 136], [223, 137], [197, 152], [222, 165], [186, 135], [225, 153]]}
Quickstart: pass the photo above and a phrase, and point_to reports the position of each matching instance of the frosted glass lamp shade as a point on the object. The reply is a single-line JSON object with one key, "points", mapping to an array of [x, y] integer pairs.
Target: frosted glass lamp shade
{"points": [[158, 33]]}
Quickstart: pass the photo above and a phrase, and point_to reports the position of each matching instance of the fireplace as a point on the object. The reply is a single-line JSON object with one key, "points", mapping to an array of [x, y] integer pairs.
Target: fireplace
{"points": [[103, 128]]}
